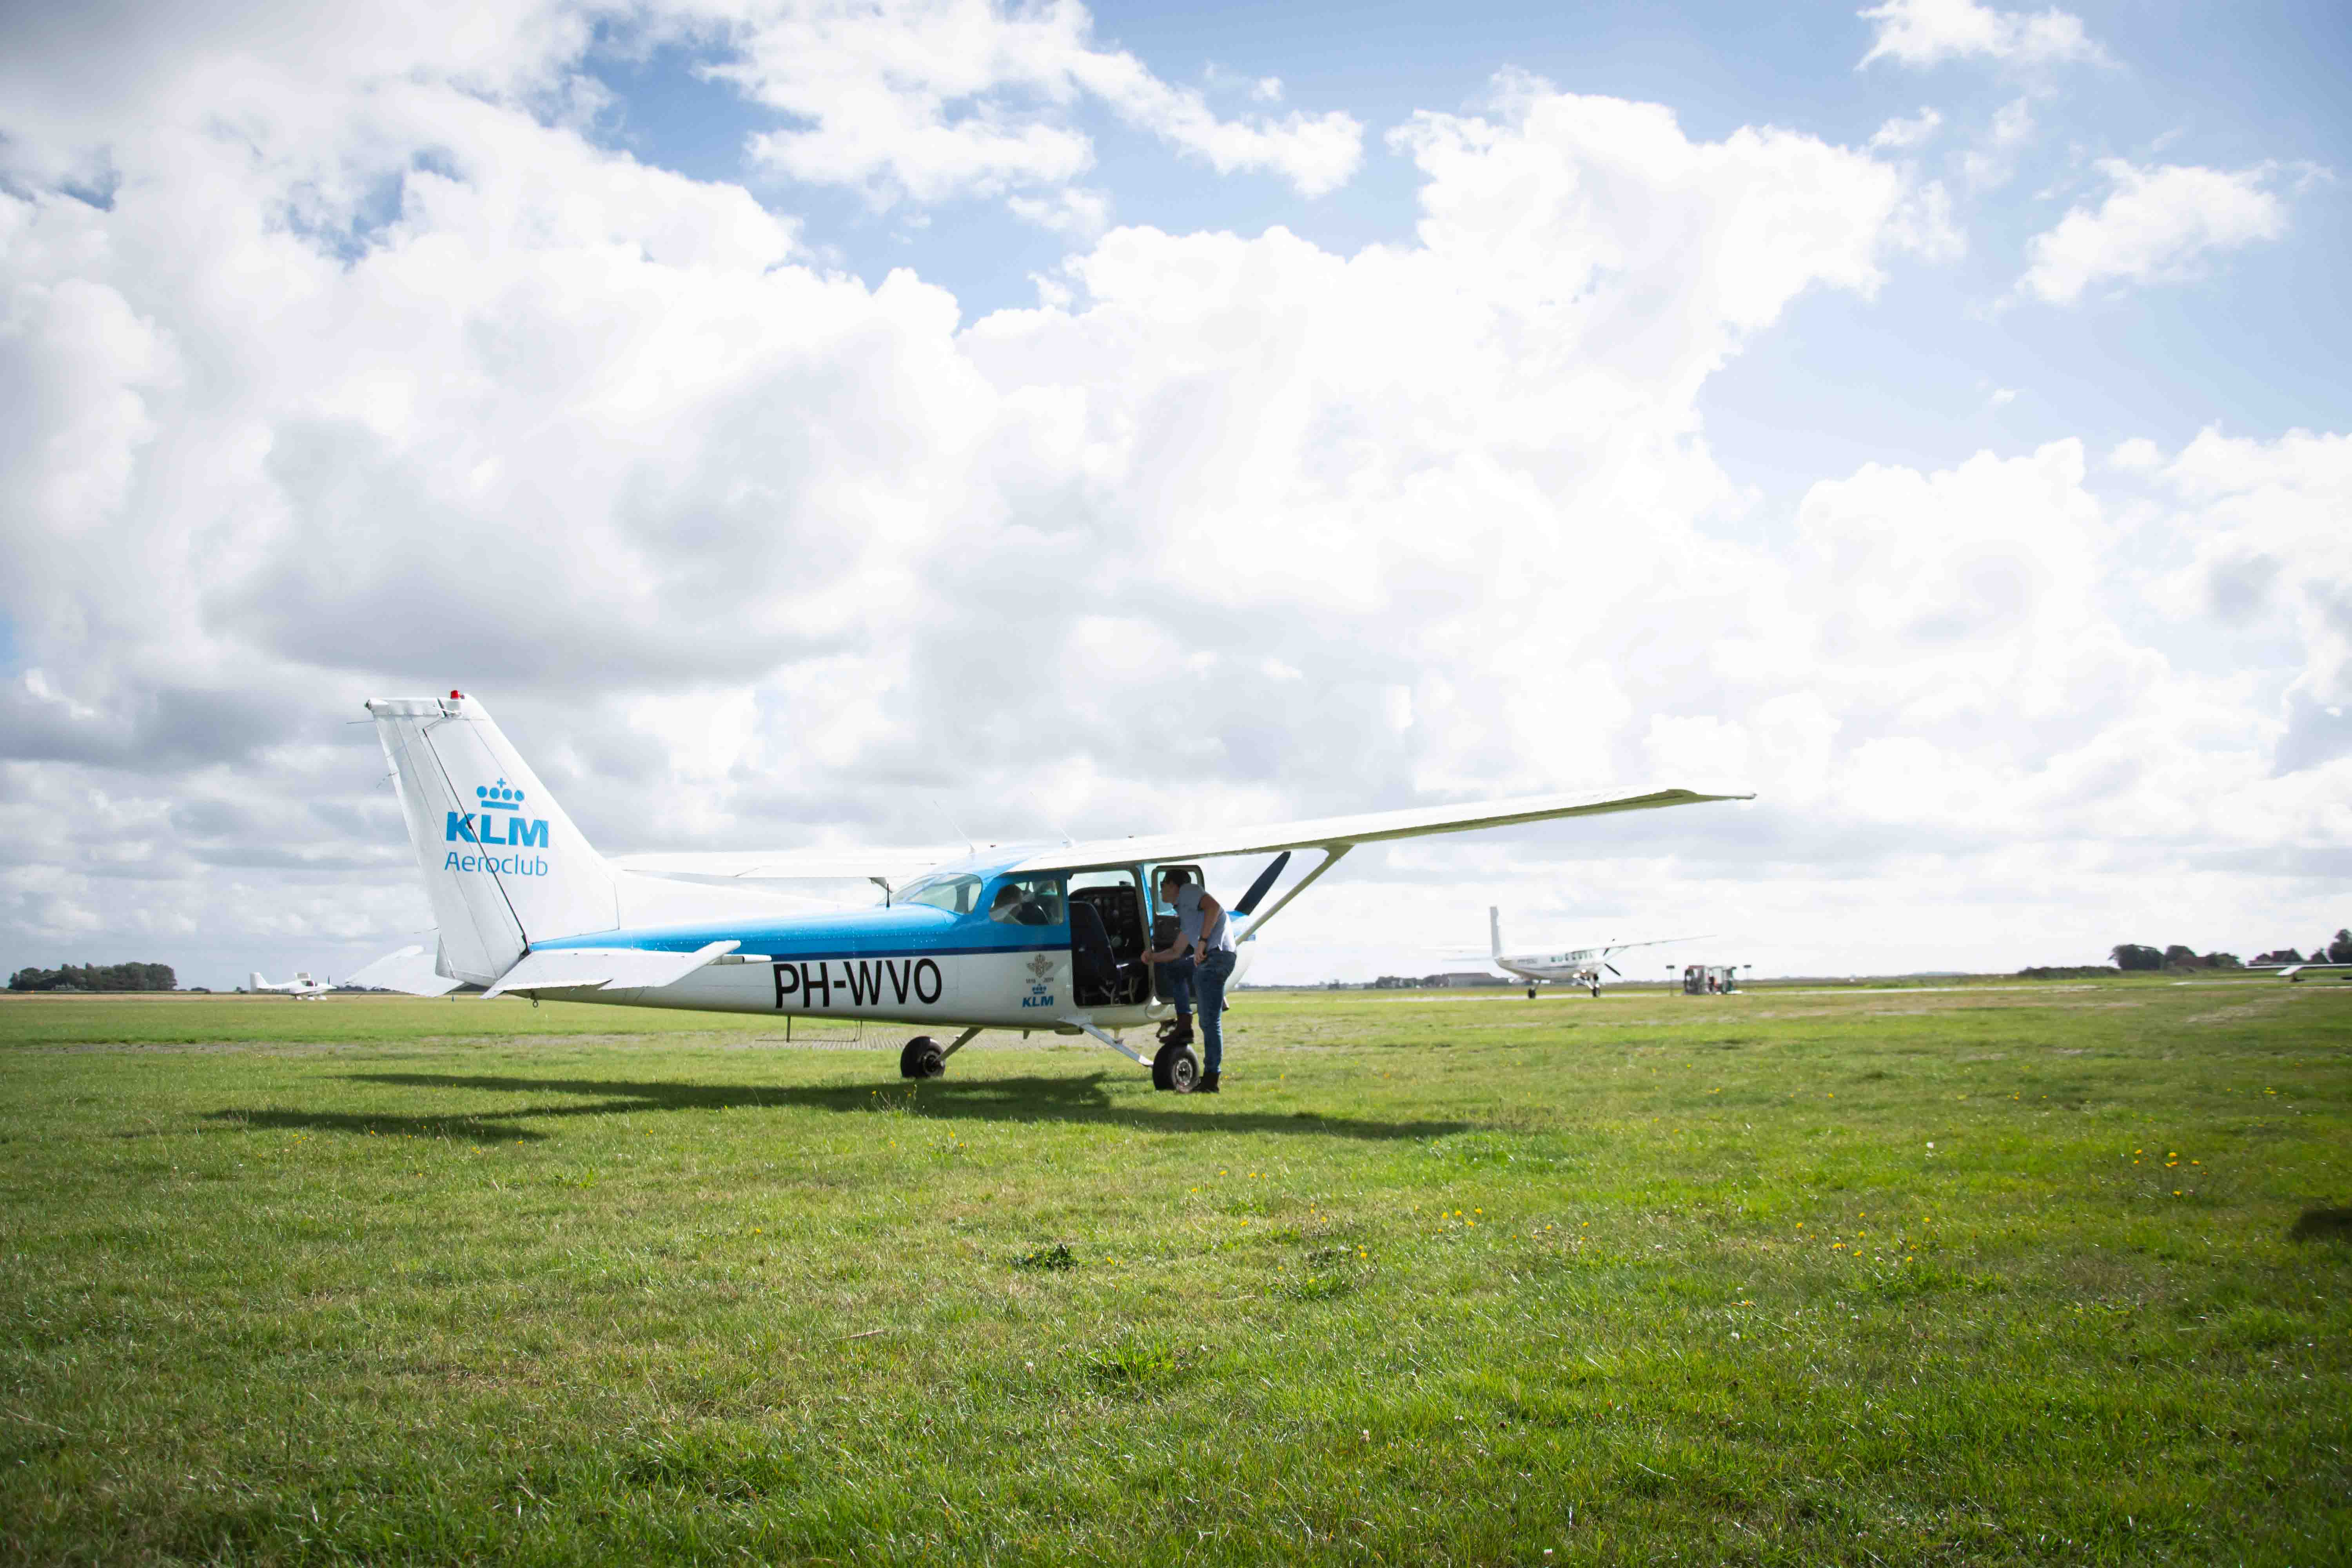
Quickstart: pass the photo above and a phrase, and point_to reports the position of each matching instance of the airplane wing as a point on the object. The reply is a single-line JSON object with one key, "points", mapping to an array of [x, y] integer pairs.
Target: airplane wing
{"points": [[1346, 832], [893, 865], [1609, 947]]}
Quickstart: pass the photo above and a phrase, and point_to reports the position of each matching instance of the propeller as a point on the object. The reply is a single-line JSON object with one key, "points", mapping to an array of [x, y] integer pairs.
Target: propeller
{"points": [[1257, 890]]}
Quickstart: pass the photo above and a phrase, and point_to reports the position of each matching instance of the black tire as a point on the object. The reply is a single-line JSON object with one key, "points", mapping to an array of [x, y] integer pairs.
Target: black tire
{"points": [[922, 1058], [1531, 992], [1179, 1067]]}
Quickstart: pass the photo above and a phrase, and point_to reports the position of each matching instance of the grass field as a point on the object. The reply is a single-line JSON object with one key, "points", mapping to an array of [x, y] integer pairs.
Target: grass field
{"points": [[1972, 1276]]}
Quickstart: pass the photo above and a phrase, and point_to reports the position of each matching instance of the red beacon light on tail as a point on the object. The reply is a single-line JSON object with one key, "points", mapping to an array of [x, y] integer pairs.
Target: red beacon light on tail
{"points": [[456, 697]]}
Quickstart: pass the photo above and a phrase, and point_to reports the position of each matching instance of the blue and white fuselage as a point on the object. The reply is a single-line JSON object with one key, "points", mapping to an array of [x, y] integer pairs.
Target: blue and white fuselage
{"points": [[906, 963], [1041, 937]]}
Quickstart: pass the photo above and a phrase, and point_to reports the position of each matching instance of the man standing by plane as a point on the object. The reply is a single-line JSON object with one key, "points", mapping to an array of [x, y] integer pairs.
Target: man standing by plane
{"points": [[1202, 927]]}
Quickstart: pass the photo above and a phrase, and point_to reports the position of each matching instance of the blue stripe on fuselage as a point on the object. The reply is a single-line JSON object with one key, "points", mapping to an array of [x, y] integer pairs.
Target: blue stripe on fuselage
{"points": [[908, 931]]}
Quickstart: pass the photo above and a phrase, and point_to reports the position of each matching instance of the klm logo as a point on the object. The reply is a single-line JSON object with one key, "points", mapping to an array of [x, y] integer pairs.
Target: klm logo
{"points": [[481, 824], [1040, 990]]}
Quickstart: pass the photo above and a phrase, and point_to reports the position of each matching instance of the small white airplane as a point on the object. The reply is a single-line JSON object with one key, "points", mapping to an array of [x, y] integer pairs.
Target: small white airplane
{"points": [[2294, 972], [302, 988], [1579, 966], [1015, 937]]}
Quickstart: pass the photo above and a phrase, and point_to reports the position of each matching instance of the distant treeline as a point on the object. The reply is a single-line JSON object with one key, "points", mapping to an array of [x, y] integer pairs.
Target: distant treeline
{"points": [[2337, 952], [2139, 956], [97, 977]]}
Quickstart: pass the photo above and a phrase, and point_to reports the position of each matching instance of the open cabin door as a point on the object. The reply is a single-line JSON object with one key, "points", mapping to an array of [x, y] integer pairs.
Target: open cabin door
{"points": [[1163, 917], [1107, 938]]}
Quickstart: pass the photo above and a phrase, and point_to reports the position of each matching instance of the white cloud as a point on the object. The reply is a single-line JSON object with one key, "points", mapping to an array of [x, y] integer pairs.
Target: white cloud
{"points": [[2271, 545], [1920, 33], [1924, 224], [399, 384], [1073, 212], [1582, 204], [931, 98], [1901, 135], [1993, 162], [2156, 225]]}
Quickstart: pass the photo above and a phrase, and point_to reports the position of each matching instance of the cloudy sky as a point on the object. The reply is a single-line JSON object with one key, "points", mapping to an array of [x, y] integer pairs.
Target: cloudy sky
{"points": [[807, 422]]}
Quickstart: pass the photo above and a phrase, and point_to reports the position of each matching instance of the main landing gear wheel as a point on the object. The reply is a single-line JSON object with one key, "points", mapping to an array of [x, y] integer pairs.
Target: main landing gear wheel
{"points": [[1531, 992], [922, 1058], [1596, 991], [1176, 1070]]}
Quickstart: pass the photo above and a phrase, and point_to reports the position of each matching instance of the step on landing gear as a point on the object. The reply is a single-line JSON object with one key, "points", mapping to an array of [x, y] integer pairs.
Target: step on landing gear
{"points": [[922, 1058], [1176, 1070]]}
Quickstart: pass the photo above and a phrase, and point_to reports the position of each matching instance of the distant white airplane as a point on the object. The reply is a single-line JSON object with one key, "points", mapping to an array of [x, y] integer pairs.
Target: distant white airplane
{"points": [[1579, 965], [2294, 972], [302, 988], [1037, 937]]}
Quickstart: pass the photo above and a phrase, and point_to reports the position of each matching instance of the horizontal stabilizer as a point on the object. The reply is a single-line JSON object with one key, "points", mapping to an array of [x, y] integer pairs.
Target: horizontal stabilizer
{"points": [[410, 970], [589, 968]]}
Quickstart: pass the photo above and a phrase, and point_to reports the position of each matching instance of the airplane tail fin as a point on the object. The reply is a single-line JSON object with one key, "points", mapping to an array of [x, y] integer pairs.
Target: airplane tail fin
{"points": [[255, 981], [503, 865], [1494, 931]]}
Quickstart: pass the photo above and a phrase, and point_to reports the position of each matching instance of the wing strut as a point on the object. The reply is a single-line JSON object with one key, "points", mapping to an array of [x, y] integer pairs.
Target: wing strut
{"points": [[1332, 854]]}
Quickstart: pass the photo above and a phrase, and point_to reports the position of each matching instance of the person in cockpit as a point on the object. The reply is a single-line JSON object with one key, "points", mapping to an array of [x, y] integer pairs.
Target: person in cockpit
{"points": [[1014, 906]]}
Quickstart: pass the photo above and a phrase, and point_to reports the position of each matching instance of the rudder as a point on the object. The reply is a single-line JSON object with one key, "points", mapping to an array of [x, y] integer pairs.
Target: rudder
{"points": [[504, 867]]}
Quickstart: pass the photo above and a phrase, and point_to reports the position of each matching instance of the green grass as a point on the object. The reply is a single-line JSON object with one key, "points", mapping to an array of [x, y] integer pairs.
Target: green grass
{"points": [[1451, 1279]]}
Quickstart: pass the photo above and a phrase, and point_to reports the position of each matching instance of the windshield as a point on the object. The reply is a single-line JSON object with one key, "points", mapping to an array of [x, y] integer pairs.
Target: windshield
{"points": [[952, 891]]}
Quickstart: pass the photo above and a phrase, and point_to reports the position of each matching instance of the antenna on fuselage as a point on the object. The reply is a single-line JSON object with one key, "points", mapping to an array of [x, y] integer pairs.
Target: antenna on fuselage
{"points": [[938, 805]]}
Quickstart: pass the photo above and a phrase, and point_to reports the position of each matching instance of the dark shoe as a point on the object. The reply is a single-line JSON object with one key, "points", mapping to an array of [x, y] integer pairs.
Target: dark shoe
{"points": [[1208, 1084], [1176, 1032]]}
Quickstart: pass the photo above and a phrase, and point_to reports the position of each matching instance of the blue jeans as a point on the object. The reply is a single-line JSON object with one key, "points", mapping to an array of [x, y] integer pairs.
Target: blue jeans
{"points": [[1177, 976], [1209, 984]]}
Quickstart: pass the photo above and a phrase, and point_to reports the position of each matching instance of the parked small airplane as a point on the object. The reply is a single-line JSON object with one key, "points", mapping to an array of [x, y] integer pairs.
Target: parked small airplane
{"points": [[1011, 937], [302, 988], [1580, 966]]}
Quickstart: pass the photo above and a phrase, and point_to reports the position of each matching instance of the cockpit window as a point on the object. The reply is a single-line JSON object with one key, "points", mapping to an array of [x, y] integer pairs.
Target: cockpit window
{"points": [[952, 891], [1027, 901]]}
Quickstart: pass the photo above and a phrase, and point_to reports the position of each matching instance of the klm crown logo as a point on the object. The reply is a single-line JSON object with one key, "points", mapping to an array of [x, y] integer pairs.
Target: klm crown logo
{"points": [[523, 832]]}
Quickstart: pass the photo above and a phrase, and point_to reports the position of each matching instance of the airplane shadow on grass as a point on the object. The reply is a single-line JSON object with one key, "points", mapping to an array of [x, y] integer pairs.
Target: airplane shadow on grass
{"points": [[1082, 1099]]}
